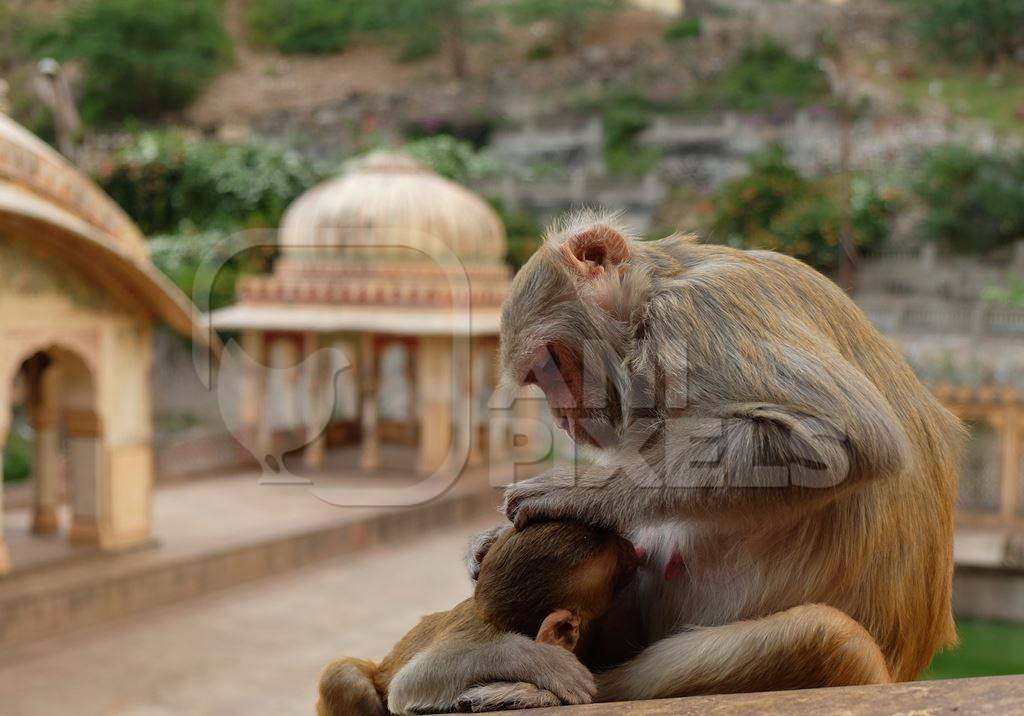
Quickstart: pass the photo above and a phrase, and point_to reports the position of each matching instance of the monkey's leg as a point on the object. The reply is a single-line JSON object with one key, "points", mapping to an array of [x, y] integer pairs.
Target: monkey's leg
{"points": [[347, 689], [505, 695], [804, 647]]}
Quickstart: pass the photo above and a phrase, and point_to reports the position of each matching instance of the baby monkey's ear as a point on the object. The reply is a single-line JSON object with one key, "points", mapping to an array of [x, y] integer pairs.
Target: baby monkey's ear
{"points": [[561, 628]]}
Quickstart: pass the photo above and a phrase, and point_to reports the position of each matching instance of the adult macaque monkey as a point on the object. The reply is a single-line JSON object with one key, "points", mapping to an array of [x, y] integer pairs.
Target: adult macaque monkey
{"points": [[788, 477]]}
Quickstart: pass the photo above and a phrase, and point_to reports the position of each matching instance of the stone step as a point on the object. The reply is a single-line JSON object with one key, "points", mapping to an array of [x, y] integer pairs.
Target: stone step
{"points": [[42, 603]]}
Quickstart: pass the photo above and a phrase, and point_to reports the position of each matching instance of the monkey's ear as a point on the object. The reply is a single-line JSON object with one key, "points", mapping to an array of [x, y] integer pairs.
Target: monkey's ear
{"points": [[560, 628], [595, 250]]}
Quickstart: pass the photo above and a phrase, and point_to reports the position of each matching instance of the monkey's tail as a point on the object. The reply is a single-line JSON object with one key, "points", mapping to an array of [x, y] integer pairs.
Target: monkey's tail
{"points": [[347, 689]]}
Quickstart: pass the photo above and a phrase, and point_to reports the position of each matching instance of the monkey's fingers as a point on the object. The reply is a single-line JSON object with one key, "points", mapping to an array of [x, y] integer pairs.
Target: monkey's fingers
{"points": [[518, 500], [479, 546]]}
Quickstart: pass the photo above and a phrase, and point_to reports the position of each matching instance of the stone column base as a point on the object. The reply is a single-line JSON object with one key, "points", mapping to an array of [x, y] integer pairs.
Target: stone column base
{"points": [[44, 520], [370, 459], [84, 531]]}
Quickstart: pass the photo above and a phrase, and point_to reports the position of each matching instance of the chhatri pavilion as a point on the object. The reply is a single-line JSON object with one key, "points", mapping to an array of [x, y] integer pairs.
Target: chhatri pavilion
{"points": [[387, 258], [78, 301]]}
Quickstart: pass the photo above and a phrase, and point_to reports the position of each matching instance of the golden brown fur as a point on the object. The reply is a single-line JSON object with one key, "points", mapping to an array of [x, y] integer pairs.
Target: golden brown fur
{"points": [[826, 496], [558, 569]]}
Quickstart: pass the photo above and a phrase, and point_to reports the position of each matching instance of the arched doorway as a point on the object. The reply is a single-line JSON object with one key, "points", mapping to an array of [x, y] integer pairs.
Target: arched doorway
{"points": [[53, 402]]}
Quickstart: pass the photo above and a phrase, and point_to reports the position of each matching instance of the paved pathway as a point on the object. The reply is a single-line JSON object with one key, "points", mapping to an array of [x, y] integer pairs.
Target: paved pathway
{"points": [[255, 649]]}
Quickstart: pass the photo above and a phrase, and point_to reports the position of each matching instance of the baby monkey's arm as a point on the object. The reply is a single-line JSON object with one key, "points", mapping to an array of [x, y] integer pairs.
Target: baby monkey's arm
{"points": [[448, 676]]}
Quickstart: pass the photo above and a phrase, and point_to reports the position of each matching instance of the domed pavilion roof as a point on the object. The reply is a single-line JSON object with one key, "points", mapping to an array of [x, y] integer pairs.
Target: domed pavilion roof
{"points": [[49, 205], [388, 247], [388, 204]]}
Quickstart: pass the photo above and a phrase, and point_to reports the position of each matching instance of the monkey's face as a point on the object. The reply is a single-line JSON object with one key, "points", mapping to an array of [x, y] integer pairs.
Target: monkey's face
{"points": [[561, 332]]}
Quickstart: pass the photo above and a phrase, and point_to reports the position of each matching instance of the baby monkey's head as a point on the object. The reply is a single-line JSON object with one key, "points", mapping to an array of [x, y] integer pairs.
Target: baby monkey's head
{"points": [[551, 579]]}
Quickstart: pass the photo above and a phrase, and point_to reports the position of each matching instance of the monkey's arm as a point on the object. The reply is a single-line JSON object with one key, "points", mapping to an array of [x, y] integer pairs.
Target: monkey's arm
{"points": [[827, 430], [438, 679]]}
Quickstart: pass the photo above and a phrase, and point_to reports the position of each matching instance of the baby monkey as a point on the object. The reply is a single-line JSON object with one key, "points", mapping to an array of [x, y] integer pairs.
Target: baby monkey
{"points": [[546, 582]]}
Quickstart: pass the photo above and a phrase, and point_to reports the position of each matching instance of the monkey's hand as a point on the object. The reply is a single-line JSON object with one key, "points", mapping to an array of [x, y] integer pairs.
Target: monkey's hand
{"points": [[479, 546], [444, 676], [546, 497]]}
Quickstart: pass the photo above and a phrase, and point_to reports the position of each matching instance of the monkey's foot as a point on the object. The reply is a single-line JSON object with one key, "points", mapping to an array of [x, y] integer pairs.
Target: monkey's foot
{"points": [[505, 695]]}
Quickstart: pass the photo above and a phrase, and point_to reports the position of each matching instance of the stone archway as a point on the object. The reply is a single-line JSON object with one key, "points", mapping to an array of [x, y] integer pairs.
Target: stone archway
{"points": [[57, 387]]}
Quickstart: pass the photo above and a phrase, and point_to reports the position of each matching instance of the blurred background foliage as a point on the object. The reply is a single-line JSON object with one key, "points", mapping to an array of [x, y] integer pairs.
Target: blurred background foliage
{"points": [[140, 57], [168, 180], [975, 200], [775, 207], [766, 77]]}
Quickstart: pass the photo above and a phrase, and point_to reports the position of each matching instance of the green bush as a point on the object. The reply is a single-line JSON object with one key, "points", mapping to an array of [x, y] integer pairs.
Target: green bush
{"points": [[309, 27], [180, 256], [453, 158], [683, 30], [970, 30], [774, 207], [975, 200], [140, 57], [540, 51], [1011, 294], [523, 231], [419, 46], [764, 78], [625, 113], [17, 457], [168, 182]]}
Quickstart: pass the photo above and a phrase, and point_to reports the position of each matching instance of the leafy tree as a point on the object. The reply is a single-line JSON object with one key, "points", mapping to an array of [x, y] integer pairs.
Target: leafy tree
{"points": [[431, 24], [179, 256], [300, 27], [975, 200], [523, 231], [571, 17], [970, 30], [168, 182], [313, 27], [421, 27], [774, 207], [140, 57], [453, 158]]}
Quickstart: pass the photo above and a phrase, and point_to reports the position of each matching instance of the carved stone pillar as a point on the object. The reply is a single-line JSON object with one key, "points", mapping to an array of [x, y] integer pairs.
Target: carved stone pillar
{"points": [[1010, 441], [254, 392], [88, 478], [435, 402], [476, 379], [370, 459], [5, 557], [44, 412], [413, 417], [317, 397]]}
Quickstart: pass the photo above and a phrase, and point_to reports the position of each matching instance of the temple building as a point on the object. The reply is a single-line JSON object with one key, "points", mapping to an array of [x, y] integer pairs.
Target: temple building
{"points": [[402, 272], [970, 351], [78, 301]]}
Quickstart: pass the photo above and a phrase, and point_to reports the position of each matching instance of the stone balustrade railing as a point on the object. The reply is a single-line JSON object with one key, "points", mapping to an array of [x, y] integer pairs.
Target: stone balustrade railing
{"points": [[988, 695]]}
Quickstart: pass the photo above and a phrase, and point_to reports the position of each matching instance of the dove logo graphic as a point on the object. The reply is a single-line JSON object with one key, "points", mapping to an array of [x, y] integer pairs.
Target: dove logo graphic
{"points": [[235, 364], [443, 338]]}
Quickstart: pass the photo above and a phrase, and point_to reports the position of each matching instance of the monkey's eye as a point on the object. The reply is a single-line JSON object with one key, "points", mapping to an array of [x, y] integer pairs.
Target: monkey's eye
{"points": [[547, 367]]}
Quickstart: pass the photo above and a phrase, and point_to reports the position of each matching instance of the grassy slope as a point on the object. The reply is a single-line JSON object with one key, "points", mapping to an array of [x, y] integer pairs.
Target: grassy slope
{"points": [[986, 649]]}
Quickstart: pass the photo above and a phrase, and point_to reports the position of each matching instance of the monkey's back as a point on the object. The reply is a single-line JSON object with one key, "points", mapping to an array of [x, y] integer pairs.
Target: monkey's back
{"points": [[888, 543]]}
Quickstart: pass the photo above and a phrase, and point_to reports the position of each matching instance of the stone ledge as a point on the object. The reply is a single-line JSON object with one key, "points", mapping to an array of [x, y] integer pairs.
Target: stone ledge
{"points": [[989, 695], [43, 603]]}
